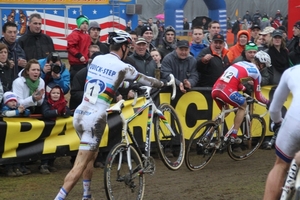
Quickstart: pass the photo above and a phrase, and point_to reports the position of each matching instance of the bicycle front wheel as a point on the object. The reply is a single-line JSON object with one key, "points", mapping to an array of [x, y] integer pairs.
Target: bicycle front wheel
{"points": [[251, 141], [120, 182], [169, 137], [200, 151]]}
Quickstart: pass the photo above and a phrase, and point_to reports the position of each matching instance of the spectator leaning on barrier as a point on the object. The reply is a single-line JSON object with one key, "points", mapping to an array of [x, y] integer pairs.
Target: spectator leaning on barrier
{"points": [[182, 65], [16, 54], [78, 43], [212, 62], [29, 87], [197, 44], [169, 41], [6, 71], [94, 32], [235, 51], [54, 70], [34, 42]]}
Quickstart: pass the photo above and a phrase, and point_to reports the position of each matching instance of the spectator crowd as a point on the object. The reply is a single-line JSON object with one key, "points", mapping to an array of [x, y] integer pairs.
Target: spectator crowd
{"points": [[35, 80]]}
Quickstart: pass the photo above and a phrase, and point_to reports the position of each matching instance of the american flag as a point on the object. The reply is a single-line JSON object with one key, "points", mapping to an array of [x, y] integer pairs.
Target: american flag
{"points": [[59, 21]]}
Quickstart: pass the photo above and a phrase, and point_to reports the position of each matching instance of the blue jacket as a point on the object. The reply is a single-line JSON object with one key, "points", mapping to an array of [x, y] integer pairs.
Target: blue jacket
{"points": [[63, 81], [195, 49], [5, 111]]}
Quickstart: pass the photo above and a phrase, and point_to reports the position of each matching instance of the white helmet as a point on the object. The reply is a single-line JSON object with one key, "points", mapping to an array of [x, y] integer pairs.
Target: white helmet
{"points": [[263, 57], [119, 37]]}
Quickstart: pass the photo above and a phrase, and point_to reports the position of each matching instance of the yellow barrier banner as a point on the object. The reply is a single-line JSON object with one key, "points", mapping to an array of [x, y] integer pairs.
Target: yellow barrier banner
{"points": [[26, 139]]}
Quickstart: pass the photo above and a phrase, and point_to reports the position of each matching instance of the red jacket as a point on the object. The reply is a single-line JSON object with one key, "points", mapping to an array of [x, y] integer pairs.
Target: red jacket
{"points": [[77, 46]]}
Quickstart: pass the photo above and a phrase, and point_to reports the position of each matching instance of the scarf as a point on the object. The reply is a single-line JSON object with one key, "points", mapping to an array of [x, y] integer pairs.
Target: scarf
{"points": [[280, 59], [60, 104], [33, 86]]}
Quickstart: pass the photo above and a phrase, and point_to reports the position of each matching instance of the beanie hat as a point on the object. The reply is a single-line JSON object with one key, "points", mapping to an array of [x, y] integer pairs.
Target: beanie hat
{"points": [[94, 24], [9, 96], [251, 46], [81, 19], [144, 29], [169, 28]]}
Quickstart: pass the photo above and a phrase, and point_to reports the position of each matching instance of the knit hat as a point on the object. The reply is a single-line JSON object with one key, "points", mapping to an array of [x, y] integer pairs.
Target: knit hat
{"points": [[144, 29], [9, 96], [169, 28], [81, 19], [94, 24], [251, 46]]}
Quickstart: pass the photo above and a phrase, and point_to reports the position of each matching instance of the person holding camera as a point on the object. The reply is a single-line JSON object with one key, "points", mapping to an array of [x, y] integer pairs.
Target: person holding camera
{"points": [[54, 70]]}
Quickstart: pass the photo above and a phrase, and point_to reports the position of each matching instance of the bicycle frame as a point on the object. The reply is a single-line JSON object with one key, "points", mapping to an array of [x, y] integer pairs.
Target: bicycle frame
{"points": [[127, 132], [292, 181], [221, 118]]}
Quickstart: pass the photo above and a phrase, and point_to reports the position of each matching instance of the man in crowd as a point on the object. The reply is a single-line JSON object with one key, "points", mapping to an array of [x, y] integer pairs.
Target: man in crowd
{"points": [[255, 29], [186, 26], [212, 62], [198, 44], [147, 33], [35, 43], [138, 29], [16, 54], [94, 32], [169, 41], [182, 65], [266, 33], [153, 27], [296, 35], [142, 58], [213, 29]]}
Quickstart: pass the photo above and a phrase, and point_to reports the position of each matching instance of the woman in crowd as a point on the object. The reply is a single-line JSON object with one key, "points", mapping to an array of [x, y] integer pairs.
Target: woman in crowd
{"points": [[6, 71], [29, 86]]}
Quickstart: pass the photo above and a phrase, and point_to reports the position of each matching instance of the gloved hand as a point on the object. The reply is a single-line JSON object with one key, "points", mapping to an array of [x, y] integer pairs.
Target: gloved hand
{"points": [[248, 88], [275, 126]]}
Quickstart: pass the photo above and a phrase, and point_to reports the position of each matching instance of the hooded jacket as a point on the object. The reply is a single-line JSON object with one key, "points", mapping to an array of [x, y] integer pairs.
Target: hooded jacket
{"points": [[236, 50]]}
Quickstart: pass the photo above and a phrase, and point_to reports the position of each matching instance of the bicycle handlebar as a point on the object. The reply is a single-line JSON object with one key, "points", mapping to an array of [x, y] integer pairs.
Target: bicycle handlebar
{"points": [[148, 89], [252, 100]]}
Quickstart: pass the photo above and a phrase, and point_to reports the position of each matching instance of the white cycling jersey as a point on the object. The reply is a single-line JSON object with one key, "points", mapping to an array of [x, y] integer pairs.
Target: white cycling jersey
{"points": [[288, 139], [105, 75]]}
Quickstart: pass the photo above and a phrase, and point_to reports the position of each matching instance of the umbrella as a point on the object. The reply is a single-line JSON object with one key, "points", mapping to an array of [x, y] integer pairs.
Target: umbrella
{"points": [[198, 21], [160, 16]]}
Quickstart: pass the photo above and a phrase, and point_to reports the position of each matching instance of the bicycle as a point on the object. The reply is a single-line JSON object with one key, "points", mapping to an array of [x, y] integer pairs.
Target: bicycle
{"points": [[126, 164], [209, 137], [291, 186]]}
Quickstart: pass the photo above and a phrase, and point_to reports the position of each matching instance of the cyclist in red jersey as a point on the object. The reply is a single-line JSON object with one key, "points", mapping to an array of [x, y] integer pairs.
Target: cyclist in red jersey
{"points": [[226, 88]]}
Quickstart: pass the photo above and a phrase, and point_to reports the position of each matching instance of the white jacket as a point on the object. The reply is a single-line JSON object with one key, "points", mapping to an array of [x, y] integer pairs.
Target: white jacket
{"points": [[20, 88]]}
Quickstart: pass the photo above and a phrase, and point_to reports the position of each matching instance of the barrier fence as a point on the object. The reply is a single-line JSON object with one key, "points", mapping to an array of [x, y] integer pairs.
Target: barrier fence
{"points": [[28, 139]]}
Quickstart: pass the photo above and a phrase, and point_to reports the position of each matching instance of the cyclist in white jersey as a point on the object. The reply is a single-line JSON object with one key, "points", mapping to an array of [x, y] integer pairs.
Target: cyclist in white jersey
{"points": [[105, 75], [288, 138]]}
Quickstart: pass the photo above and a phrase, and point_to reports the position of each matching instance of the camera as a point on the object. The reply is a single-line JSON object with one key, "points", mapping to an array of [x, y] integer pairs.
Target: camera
{"points": [[54, 66]]}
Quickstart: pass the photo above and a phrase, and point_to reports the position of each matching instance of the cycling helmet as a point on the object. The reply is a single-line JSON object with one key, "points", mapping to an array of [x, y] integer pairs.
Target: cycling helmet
{"points": [[119, 37], [263, 57]]}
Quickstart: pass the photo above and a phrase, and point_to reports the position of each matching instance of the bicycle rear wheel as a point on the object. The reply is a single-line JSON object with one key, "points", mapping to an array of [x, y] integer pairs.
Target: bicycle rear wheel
{"points": [[250, 143], [199, 152], [171, 148], [120, 182]]}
